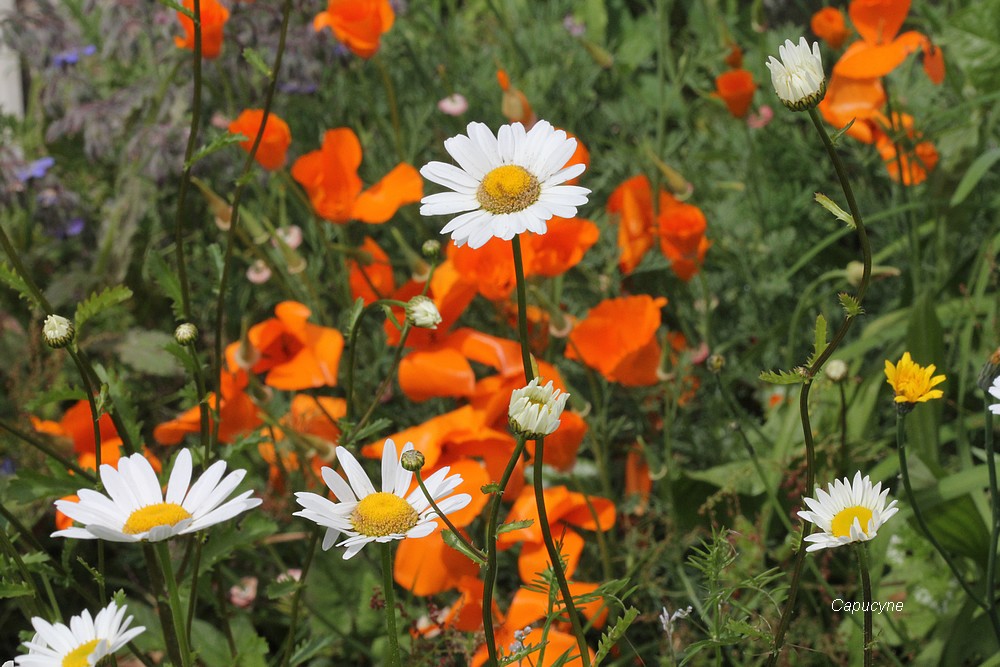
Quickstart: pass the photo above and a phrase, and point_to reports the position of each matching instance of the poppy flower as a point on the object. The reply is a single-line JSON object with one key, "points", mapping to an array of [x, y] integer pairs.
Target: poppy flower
{"points": [[880, 50], [682, 238], [735, 56], [918, 157], [626, 355], [370, 278], [358, 24], [294, 353], [561, 247], [631, 207], [313, 421], [237, 414], [330, 178], [213, 18], [828, 24], [736, 88], [933, 62], [274, 143], [638, 483], [77, 424]]}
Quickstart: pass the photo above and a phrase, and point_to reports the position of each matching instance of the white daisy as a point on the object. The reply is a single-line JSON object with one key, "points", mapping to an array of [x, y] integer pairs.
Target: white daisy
{"points": [[504, 184], [534, 410], [798, 77], [136, 509], [365, 515], [847, 512], [995, 393], [81, 644]]}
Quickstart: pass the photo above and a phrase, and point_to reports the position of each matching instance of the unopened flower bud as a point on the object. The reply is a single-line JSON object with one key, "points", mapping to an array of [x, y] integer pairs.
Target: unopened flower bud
{"points": [[836, 370], [421, 312], [186, 333], [431, 249], [716, 363], [57, 331], [535, 410], [990, 371], [412, 460]]}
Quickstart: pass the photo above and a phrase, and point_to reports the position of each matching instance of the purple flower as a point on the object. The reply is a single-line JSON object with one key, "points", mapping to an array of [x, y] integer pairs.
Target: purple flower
{"points": [[573, 27], [36, 169], [72, 56]]}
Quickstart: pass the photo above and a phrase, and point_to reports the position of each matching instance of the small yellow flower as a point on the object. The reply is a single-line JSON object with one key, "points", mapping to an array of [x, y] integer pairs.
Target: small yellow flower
{"points": [[912, 382]]}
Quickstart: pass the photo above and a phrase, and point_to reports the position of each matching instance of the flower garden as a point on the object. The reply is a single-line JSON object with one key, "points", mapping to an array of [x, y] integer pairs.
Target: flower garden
{"points": [[499, 332]]}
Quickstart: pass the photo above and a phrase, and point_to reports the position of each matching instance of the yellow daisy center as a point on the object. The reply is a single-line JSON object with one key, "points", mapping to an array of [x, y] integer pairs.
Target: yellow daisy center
{"points": [[151, 516], [844, 519], [508, 189], [78, 656], [381, 514]]}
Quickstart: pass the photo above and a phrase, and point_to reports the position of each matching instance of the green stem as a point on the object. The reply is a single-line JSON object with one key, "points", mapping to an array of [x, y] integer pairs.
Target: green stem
{"points": [[162, 553], [444, 517], [844, 452], [522, 310], [390, 94], [392, 653], [554, 559], [36, 595], [861, 551], [490, 576], [991, 560], [383, 386], [297, 600], [69, 464]]}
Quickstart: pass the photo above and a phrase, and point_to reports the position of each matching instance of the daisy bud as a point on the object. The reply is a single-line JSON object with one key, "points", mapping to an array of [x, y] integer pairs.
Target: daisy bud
{"points": [[798, 76], [431, 249], [186, 333], [421, 312], [412, 460], [534, 410], [836, 370], [716, 363], [57, 331], [990, 372]]}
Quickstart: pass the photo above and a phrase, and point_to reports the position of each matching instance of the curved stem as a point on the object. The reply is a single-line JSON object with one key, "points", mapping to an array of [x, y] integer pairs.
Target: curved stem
{"points": [[861, 551], [991, 559], [392, 657], [444, 517]]}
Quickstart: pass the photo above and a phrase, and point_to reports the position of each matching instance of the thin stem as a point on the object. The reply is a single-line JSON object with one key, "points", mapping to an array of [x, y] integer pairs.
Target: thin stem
{"points": [[522, 310], [554, 556], [390, 94], [490, 576], [384, 385], [297, 600], [193, 600], [12, 553], [169, 612], [991, 559], [69, 464], [392, 658], [844, 453], [861, 551], [444, 517]]}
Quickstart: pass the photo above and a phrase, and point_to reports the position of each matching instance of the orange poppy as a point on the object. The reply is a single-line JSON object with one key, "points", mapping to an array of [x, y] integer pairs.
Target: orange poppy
{"points": [[854, 99], [560, 248], [918, 158], [294, 353], [271, 152], [736, 88], [735, 56], [77, 424], [638, 483], [631, 207], [330, 178], [213, 18], [237, 413], [358, 24], [828, 24], [313, 420], [879, 51], [371, 278], [933, 62], [682, 238], [626, 355]]}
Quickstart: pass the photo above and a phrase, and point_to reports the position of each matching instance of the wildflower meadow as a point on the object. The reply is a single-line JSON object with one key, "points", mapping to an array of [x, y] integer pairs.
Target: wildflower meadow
{"points": [[499, 332]]}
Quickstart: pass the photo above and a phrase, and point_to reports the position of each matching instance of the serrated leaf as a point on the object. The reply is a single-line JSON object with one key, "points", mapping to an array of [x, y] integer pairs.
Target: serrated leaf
{"points": [[312, 647], [119, 401], [12, 280], [12, 590], [217, 144], [514, 525], [100, 301], [57, 395], [144, 350], [835, 137], [819, 339], [783, 377], [167, 280], [177, 7], [256, 61], [612, 636], [833, 208], [370, 429], [279, 589], [850, 305], [458, 545]]}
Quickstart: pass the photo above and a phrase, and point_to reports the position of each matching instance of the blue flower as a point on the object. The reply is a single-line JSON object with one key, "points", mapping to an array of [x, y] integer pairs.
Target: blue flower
{"points": [[36, 169]]}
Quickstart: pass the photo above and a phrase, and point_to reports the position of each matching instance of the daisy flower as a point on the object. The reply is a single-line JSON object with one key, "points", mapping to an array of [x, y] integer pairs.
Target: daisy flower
{"points": [[365, 515], [847, 512], [136, 509], [81, 644], [798, 76], [995, 393], [534, 410], [505, 184]]}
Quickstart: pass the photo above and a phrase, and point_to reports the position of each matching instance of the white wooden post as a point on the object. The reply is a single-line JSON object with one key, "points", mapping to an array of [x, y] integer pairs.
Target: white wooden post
{"points": [[11, 95]]}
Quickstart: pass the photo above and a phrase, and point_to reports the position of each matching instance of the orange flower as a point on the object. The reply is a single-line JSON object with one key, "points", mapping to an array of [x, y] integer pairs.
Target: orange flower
{"points": [[854, 99], [273, 144], [560, 248], [933, 62], [682, 238], [735, 56], [293, 353], [359, 24], [330, 178], [237, 414], [638, 483], [631, 206], [213, 18], [736, 88], [514, 105], [918, 158], [580, 156], [629, 354], [879, 51], [77, 424], [828, 24], [371, 279]]}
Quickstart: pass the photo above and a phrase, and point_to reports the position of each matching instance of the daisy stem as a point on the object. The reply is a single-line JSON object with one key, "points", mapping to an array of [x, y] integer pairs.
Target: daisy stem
{"points": [[396, 356], [297, 600], [991, 559], [393, 658], [554, 556], [178, 636], [390, 95], [490, 577], [444, 517], [904, 471], [522, 310], [861, 551]]}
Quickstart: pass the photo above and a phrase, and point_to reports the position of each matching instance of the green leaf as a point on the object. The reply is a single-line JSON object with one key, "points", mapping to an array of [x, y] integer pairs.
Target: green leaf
{"points": [[851, 306], [612, 636], [98, 302], [794, 376], [145, 352], [514, 525], [177, 7], [217, 144], [12, 280], [837, 212], [819, 340], [167, 280], [57, 395], [973, 44], [310, 648], [925, 343], [458, 545], [355, 316], [13, 590], [279, 589], [256, 61], [835, 137], [119, 401], [979, 168]]}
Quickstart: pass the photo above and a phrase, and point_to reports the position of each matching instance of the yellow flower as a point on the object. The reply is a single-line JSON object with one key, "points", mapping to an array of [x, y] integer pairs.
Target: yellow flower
{"points": [[912, 382]]}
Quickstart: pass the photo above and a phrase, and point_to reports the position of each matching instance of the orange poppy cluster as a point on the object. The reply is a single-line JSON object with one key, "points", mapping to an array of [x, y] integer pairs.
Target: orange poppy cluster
{"points": [[856, 91]]}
